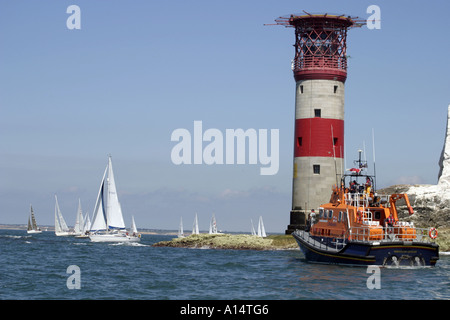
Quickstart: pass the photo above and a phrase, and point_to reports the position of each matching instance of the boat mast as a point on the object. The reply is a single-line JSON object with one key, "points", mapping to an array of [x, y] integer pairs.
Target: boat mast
{"points": [[374, 169]]}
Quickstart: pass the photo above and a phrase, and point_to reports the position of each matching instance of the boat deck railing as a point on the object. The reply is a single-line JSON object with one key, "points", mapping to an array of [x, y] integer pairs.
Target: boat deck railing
{"points": [[362, 199], [323, 245], [356, 199], [403, 231]]}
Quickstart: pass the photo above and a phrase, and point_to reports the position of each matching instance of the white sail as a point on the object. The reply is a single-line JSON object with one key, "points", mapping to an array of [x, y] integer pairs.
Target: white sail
{"points": [[213, 225], [261, 229], [99, 220], [180, 229], [87, 223], [253, 228], [114, 211], [195, 226], [79, 222], [60, 224], [133, 226]]}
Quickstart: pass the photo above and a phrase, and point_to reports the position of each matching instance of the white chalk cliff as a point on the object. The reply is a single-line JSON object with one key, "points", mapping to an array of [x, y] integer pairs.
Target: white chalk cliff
{"points": [[444, 161], [431, 203]]}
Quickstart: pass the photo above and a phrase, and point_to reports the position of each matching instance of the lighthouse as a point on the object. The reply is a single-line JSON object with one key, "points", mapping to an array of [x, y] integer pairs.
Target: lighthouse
{"points": [[320, 71]]}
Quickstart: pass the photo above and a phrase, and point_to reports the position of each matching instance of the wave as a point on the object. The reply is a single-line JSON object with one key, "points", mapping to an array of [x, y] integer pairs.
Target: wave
{"points": [[14, 236], [131, 244]]}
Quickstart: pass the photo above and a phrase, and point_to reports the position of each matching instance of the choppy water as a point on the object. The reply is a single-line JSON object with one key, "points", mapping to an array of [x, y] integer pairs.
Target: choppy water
{"points": [[35, 267]]}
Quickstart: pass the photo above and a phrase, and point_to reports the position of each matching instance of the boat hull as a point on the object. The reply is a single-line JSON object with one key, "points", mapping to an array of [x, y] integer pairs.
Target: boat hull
{"points": [[113, 238], [33, 231], [390, 253], [63, 234]]}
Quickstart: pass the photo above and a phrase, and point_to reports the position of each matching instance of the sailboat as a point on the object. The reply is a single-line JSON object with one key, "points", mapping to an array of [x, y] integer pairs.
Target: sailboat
{"points": [[79, 222], [195, 226], [213, 225], [32, 225], [134, 231], [61, 228], [180, 229], [107, 224], [261, 229], [253, 228], [85, 227]]}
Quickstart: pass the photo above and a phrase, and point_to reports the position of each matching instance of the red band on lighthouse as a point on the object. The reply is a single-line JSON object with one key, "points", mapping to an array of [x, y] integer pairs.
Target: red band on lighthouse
{"points": [[319, 137]]}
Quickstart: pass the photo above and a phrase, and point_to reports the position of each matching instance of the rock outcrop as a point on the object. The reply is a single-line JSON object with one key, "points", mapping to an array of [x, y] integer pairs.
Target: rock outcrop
{"points": [[232, 241]]}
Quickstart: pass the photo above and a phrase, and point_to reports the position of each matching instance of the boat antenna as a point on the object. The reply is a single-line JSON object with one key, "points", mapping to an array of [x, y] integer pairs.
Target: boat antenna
{"points": [[374, 167]]}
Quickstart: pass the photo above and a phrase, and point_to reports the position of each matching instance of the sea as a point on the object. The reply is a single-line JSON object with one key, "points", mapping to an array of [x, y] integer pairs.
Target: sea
{"points": [[46, 267]]}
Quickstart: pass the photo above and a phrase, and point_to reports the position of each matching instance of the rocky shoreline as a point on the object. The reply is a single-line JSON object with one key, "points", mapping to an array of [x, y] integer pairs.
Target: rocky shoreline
{"points": [[232, 241]]}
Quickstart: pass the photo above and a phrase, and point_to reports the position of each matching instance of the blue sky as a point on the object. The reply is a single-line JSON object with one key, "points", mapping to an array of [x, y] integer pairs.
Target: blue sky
{"points": [[138, 70]]}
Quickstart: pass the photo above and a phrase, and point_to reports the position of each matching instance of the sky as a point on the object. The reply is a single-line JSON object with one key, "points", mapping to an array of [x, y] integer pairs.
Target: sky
{"points": [[138, 70]]}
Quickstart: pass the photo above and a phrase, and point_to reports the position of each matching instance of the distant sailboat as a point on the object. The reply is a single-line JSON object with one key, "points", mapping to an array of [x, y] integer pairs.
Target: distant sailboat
{"points": [[85, 227], [253, 228], [261, 229], [213, 225], [79, 222], [133, 230], [61, 228], [107, 224], [195, 226], [180, 229], [32, 225]]}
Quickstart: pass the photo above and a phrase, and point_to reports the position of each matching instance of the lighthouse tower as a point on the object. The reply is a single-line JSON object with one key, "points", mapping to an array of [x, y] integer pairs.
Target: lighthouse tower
{"points": [[320, 71]]}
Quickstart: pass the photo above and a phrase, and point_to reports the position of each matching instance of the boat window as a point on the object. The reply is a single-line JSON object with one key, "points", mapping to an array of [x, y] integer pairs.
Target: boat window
{"points": [[340, 216], [330, 214], [320, 213], [377, 215], [316, 168]]}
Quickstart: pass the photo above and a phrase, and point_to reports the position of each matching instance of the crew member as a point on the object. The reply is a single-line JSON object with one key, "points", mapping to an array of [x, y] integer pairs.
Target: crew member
{"points": [[368, 185]]}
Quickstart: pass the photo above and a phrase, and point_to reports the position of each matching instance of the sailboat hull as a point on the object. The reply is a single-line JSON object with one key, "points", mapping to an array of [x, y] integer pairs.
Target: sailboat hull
{"points": [[34, 231], [63, 234], [114, 237]]}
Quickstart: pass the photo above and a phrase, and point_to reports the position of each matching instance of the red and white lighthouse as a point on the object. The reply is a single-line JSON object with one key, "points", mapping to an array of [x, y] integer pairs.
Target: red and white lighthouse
{"points": [[320, 71]]}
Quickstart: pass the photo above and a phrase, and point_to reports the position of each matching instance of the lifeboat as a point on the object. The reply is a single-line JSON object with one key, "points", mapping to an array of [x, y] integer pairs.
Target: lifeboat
{"points": [[358, 226]]}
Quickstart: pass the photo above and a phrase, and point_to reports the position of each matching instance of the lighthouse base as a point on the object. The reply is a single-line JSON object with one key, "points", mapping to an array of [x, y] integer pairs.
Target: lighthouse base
{"points": [[298, 221]]}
